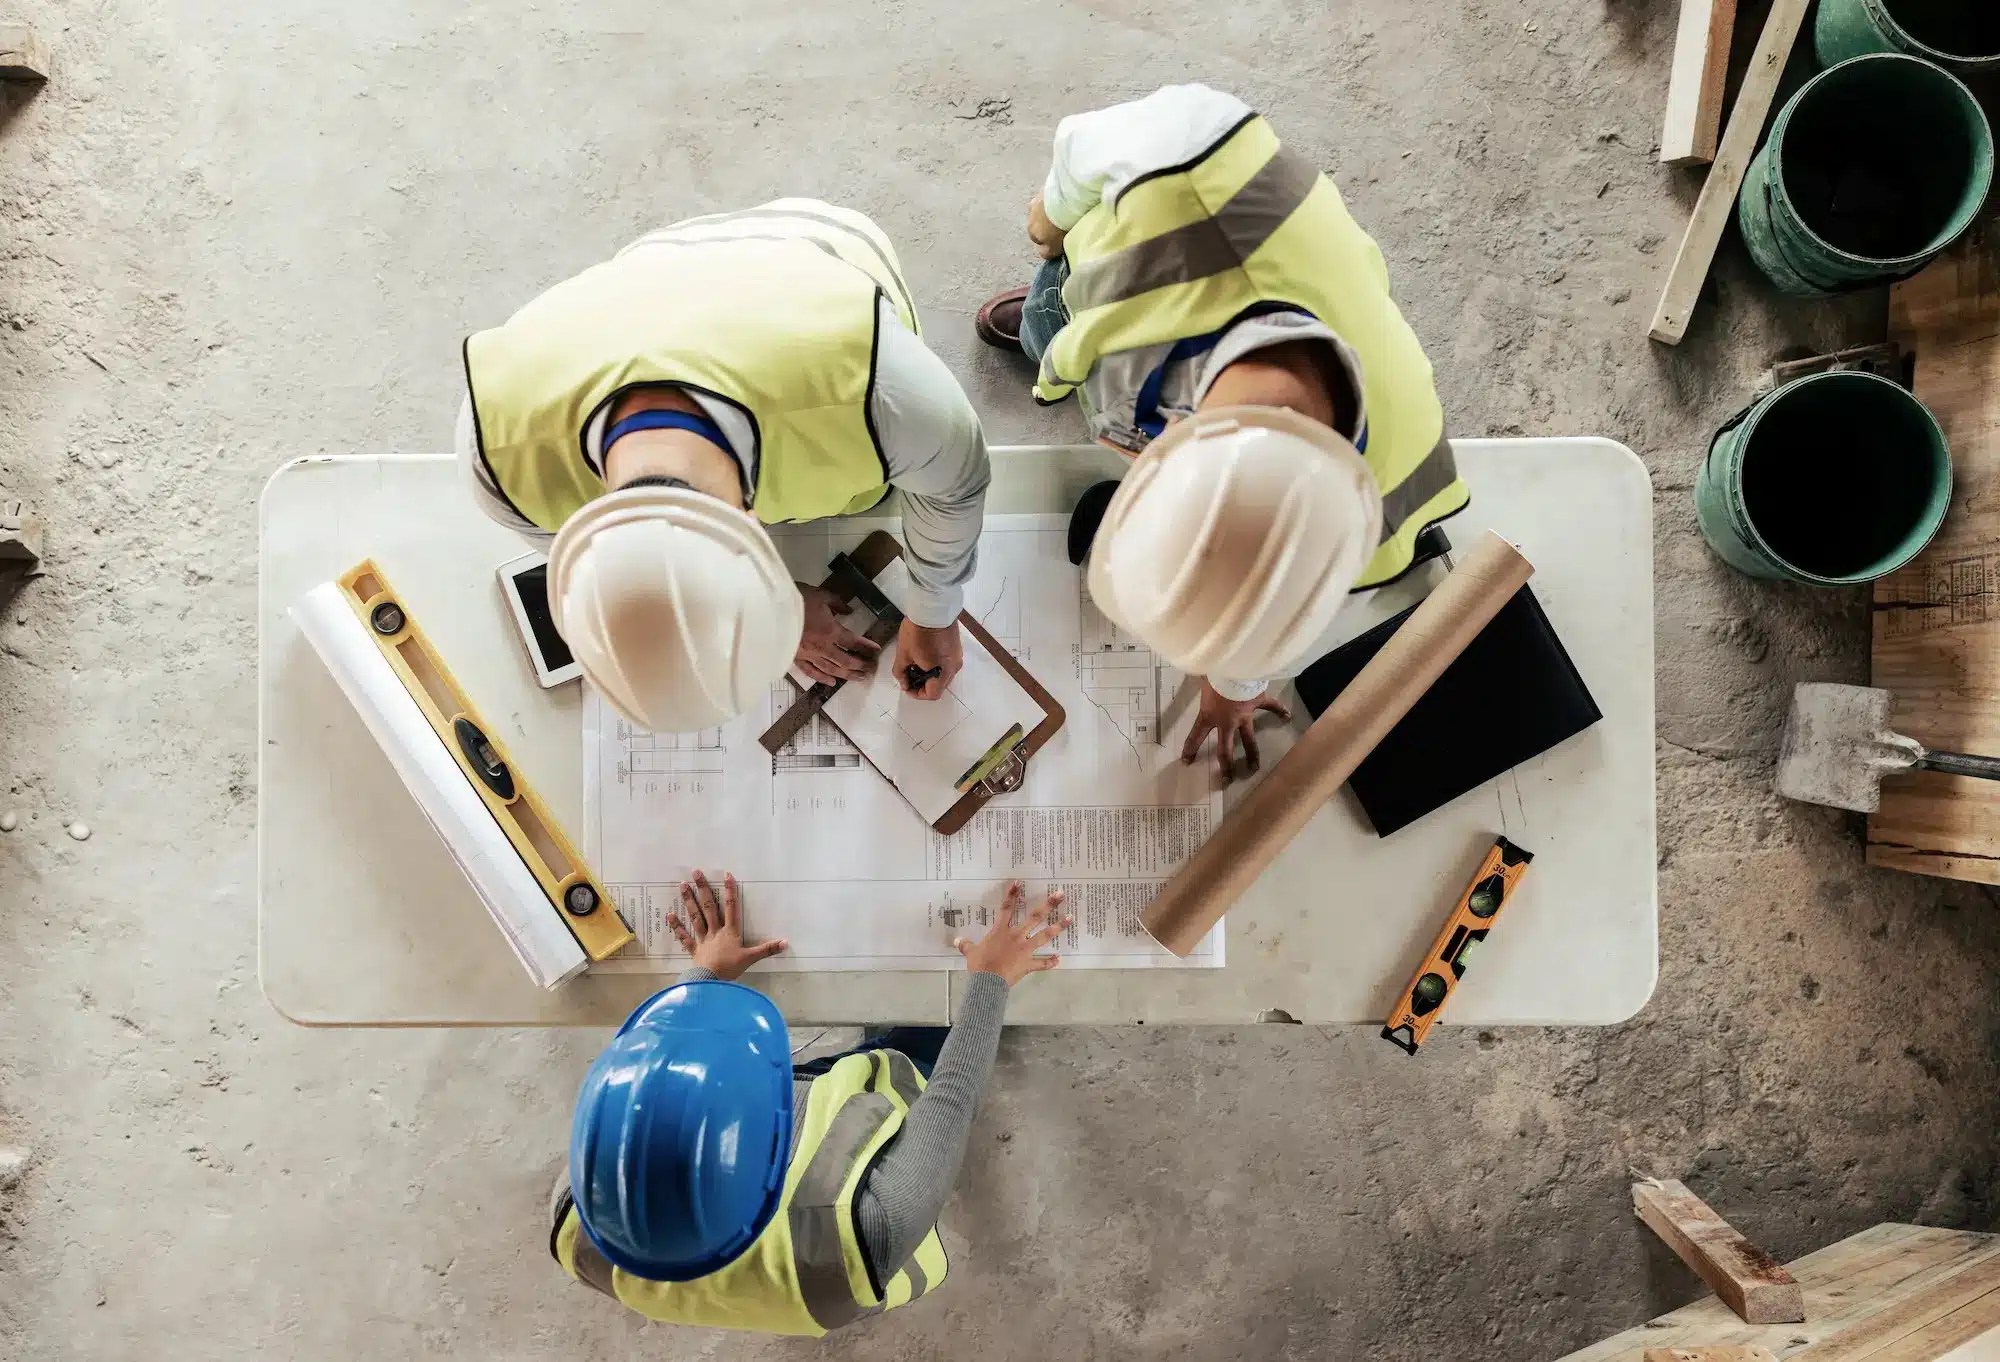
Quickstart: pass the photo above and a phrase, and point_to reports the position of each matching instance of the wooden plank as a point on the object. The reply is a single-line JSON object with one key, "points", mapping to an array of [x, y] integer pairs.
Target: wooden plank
{"points": [[1884, 1336], [23, 56], [1696, 86], [1844, 1283], [1748, 1352], [1750, 1281], [1936, 642], [1732, 159]]}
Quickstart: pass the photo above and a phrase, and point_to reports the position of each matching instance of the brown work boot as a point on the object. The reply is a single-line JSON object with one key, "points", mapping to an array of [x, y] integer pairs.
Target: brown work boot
{"points": [[998, 322]]}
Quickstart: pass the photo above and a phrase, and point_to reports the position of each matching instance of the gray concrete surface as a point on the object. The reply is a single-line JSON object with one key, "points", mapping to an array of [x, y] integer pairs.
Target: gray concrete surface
{"points": [[232, 234]]}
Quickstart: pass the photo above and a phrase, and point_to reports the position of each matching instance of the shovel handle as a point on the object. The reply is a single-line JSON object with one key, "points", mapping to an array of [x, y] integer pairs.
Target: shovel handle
{"points": [[1960, 764]]}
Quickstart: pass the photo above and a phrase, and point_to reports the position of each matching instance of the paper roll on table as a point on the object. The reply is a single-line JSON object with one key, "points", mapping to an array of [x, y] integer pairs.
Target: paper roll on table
{"points": [[465, 818], [1253, 833]]}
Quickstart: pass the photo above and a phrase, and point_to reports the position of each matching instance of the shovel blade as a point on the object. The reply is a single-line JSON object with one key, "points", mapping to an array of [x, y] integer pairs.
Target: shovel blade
{"points": [[1837, 746]]}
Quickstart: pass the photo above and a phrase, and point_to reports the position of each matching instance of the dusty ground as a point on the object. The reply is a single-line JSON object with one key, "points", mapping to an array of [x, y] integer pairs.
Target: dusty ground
{"points": [[232, 234]]}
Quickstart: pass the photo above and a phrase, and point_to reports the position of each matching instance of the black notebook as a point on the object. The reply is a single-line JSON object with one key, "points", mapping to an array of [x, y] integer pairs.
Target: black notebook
{"points": [[1511, 695]]}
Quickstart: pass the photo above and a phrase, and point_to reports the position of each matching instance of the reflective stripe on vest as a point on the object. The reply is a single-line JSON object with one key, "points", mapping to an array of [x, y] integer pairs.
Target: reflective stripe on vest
{"points": [[773, 310], [1185, 252], [805, 1274]]}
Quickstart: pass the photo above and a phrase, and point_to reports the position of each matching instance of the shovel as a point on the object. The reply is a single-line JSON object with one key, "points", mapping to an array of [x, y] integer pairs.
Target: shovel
{"points": [[1838, 745]]}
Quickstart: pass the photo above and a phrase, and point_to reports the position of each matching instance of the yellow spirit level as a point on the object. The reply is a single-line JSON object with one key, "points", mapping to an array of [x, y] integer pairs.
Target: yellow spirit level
{"points": [[1444, 964]]}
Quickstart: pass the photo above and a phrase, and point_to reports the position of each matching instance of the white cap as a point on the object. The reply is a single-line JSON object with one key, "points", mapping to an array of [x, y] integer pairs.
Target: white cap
{"points": [[1235, 539], [675, 605]]}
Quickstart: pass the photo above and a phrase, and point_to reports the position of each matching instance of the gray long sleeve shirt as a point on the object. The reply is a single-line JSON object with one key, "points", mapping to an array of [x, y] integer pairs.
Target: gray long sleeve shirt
{"points": [[905, 1191]]}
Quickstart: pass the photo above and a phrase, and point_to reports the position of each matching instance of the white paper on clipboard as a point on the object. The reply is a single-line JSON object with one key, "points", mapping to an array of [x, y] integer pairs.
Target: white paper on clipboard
{"points": [[923, 747]]}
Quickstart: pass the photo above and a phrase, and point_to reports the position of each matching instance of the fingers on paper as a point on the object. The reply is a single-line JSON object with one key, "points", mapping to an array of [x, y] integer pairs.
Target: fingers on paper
{"points": [[1192, 747], [1271, 704], [768, 949], [681, 933], [732, 902], [850, 642]]}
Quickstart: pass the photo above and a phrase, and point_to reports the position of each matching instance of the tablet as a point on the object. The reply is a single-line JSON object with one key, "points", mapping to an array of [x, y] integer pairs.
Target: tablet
{"points": [[524, 581]]}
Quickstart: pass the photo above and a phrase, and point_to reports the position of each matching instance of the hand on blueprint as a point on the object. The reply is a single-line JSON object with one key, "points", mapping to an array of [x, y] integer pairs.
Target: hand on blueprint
{"points": [[829, 651], [712, 931], [1009, 946], [1231, 721], [926, 649]]}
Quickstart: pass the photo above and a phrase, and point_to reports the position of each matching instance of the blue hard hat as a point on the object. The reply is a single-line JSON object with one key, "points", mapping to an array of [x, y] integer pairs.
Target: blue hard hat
{"points": [[683, 1130]]}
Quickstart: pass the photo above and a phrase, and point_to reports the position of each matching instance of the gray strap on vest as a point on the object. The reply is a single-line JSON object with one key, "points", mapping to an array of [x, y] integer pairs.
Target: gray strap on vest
{"points": [[1200, 248], [815, 1216], [1437, 472]]}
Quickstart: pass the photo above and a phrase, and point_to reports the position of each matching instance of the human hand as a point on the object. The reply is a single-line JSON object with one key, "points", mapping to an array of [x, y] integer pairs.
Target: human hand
{"points": [[922, 648], [829, 651], [1231, 721], [715, 938], [1048, 237], [1009, 946]]}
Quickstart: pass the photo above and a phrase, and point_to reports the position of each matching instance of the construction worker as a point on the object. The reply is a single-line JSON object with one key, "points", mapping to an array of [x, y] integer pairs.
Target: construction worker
{"points": [[655, 412], [1230, 327], [712, 1183]]}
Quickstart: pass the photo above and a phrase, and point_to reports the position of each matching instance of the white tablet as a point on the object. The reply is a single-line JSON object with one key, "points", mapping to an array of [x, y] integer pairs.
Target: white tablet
{"points": [[524, 581]]}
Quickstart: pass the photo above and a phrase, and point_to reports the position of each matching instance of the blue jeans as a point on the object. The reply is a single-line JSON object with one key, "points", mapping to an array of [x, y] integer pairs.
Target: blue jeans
{"points": [[920, 1043], [1042, 312]]}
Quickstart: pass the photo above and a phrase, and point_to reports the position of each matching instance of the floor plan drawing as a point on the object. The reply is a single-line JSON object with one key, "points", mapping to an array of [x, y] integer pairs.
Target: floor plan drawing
{"points": [[1121, 675], [832, 849]]}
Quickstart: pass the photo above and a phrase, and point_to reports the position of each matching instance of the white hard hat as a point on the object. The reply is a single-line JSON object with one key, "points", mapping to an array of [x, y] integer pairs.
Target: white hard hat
{"points": [[1235, 539], [675, 605]]}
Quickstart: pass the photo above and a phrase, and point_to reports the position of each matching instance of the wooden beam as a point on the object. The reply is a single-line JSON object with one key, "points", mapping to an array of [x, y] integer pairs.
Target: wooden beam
{"points": [[1696, 87], [1936, 622], [1750, 1281], [23, 56], [1726, 1353], [1732, 159]]}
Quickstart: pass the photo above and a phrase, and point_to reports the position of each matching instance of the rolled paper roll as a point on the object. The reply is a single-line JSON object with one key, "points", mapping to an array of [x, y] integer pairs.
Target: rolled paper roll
{"points": [[1253, 833]]}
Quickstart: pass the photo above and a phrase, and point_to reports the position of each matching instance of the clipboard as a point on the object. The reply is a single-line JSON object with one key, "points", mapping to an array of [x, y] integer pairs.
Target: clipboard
{"points": [[1005, 767]]}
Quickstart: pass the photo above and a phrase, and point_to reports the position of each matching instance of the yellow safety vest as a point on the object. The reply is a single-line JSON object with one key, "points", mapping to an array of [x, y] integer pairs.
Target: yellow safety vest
{"points": [[1184, 252], [772, 309], [805, 1274]]}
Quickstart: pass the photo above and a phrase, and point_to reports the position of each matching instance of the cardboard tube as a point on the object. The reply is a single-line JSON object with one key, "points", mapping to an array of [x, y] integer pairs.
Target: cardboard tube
{"points": [[1256, 830]]}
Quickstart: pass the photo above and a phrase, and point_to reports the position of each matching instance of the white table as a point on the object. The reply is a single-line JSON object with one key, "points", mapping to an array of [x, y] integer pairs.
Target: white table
{"points": [[364, 920]]}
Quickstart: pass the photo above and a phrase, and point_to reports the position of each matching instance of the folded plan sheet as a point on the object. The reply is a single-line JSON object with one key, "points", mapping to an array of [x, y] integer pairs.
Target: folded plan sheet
{"points": [[832, 857]]}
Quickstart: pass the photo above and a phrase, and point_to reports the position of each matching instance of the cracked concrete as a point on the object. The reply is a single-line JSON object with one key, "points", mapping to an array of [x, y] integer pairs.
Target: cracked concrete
{"points": [[237, 234]]}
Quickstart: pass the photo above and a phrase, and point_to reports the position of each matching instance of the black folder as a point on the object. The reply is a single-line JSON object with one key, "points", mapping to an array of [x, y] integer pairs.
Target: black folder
{"points": [[1511, 695]]}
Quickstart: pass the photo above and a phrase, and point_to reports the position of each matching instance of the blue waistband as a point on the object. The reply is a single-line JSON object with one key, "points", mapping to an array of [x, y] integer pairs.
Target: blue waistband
{"points": [[664, 420], [1146, 407]]}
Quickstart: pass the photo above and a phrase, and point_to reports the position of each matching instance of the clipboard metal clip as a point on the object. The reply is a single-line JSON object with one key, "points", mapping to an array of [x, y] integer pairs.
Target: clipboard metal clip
{"points": [[1005, 778]]}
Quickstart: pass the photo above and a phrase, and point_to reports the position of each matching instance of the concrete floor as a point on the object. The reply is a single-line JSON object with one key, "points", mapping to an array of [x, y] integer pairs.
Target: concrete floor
{"points": [[234, 234]]}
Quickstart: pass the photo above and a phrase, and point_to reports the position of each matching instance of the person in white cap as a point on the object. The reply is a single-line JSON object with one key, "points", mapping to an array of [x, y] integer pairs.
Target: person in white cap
{"points": [[1229, 325], [655, 412]]}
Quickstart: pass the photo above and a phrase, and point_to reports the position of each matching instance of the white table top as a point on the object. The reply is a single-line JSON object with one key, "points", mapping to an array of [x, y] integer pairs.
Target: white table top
{"points": [[364, 920]]}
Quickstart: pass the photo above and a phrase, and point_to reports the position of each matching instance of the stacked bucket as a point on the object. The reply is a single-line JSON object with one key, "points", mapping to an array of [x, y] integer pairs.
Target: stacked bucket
{"points": [[1876, 165]]}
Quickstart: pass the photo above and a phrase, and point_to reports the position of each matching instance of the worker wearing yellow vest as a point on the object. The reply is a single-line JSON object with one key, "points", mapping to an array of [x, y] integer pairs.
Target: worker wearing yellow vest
{"points": [[711, 1183], [655, 412], [1227, 324]]}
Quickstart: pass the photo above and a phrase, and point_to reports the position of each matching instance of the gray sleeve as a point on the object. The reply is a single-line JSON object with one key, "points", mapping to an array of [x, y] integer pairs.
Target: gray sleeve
{"points": [[935, 455], [906, 1191]]}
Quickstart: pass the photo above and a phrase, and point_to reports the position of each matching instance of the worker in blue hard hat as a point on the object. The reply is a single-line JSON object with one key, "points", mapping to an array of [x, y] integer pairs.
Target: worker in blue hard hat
{"points": [[712, 1183]]}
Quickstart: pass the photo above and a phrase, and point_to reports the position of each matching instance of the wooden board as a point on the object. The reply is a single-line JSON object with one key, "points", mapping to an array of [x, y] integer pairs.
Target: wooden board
{"points": [[1732, 160], [1937, 622], [1750, 1281], [1922, 1326], [22, 55], [1845, 1284], [1730, 1353], [1695, 88]]}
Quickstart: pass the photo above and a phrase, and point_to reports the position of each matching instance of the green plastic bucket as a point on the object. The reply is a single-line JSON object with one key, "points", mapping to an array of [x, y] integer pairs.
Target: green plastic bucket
{"points": [[1831, 480], [1963, 36], [1870, 170]]}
